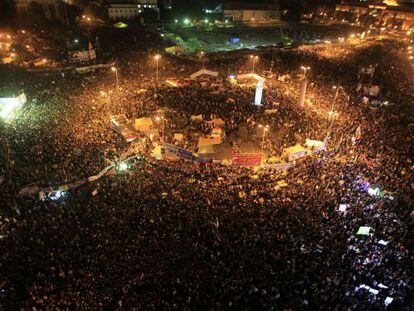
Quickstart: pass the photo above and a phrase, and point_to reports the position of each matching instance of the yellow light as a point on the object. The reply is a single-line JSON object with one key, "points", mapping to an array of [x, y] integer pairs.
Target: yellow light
{"points": [[113, 69], [157, 57]]}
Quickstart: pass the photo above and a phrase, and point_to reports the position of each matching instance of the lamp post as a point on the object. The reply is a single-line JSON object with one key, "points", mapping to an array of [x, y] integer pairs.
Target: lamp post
{"points": [[202, 58], [305, 70], [114, 69], [331, 112], [254, 59], [157, 58]]}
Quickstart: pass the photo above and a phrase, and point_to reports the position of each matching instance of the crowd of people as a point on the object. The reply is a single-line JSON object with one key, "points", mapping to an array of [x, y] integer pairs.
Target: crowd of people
{"points": [[177, 235]]}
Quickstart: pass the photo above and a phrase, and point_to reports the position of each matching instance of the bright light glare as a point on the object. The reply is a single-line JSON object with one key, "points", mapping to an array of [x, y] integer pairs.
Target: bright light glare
{"points": [[57, 195], [374, 191], [9, 106], [123, 166]]}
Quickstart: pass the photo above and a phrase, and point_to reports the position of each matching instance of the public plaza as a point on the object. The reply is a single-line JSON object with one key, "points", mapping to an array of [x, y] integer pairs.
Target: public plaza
{"points": [[275, 179]]}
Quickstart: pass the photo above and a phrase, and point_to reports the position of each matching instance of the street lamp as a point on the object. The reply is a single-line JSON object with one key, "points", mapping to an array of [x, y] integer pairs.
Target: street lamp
{"points": [[202, 57], [331, 113], [157, 58], [254, 59], [114, 69], [305, 69]]}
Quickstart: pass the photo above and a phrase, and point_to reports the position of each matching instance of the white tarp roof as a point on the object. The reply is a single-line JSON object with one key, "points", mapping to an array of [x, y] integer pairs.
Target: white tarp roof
{"points": [[250, 76], [157, 152], [295, 149], [198, 117], [204, 72], [206, 149], [143, 124], [310, 143]]}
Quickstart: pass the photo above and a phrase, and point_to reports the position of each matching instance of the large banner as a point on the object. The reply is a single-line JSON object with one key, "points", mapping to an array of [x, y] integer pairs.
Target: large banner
{"points": [[247, 159], [169, 151], [259, 93]]}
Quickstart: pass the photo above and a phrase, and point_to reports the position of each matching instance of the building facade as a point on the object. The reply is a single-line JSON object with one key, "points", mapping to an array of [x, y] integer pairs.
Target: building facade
{"points": [[49, 9], [130, 9], [260, 11], [386, 14]]}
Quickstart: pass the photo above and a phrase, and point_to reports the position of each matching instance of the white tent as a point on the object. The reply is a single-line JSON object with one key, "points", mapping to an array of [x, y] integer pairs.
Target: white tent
{"points": [[310, 143], [204, 72], [250, 76], [295, 152], [198, 117], [178, 136], [206, 149], [216, 122], [143, 124], [157, 152]]}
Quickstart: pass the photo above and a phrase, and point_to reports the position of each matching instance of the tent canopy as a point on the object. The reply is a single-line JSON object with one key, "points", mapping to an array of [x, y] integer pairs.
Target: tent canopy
{"points": [[204, 72], [120, 25], [172, 83], [295, 149], [157, 152], [295, 152], [204, 141], [218, 152], [250, 76], [310, 143], [206, 149], [143, 124], [198, 117], [177, 49]]}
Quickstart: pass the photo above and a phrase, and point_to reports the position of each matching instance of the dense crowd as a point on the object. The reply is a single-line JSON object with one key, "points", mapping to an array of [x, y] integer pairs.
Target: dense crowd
{"points": [[176, 235]]}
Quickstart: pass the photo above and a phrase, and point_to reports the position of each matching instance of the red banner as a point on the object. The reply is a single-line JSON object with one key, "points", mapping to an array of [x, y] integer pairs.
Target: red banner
{"points": [[247, 159]]}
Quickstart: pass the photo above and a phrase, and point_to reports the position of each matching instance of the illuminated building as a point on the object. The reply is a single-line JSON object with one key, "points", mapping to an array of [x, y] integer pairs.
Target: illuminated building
{"points": [[259, 11], [10, 104], [129, 9], [387, 13]]}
